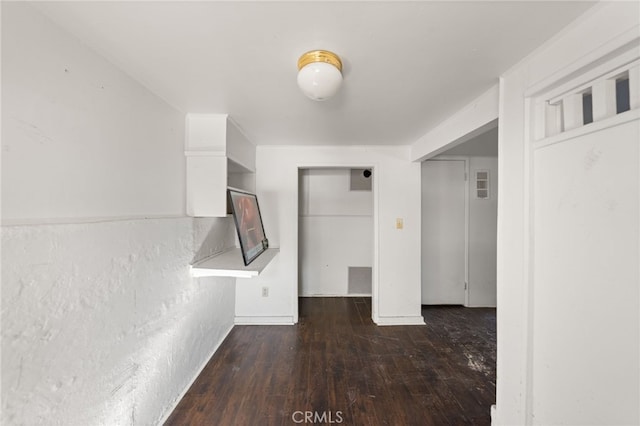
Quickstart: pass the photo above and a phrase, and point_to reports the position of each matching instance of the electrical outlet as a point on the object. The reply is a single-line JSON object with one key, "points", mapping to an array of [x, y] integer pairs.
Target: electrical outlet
{"points": [[265, 291]]}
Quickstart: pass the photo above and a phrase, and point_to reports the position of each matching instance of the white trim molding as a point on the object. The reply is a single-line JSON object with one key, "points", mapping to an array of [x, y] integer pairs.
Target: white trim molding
{"points": [[266, 320], [400, 321]]}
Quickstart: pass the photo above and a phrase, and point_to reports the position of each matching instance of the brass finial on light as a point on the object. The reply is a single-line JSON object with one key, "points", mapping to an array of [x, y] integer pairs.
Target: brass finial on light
{"points": [[319, 74], [320, 56]]}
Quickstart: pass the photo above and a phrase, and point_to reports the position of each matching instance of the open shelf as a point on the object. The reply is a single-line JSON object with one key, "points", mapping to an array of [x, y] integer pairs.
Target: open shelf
{"points": [[230, 264]]}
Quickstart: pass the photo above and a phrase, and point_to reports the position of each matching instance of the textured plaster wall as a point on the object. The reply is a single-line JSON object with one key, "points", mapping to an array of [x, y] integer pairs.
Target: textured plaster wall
{"points": [[101, 322]]}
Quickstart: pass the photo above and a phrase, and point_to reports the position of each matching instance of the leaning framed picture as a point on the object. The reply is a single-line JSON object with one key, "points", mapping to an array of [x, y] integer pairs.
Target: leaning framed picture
{"points": [[246, 215]]}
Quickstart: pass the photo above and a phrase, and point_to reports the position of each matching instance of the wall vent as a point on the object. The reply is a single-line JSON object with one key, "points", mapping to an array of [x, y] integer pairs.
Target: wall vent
{"points": [[482, 184], [361, 180]]}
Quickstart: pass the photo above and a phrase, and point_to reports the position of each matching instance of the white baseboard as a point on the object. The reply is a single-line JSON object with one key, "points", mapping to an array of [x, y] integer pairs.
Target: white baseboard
{"points": [[481, 306], [284, 320], [337, 295], [173, 406], [400, 320]]}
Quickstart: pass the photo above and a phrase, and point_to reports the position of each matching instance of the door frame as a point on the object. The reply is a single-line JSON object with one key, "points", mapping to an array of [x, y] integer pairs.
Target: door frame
{"points": [[467, 178], [374, 166]]}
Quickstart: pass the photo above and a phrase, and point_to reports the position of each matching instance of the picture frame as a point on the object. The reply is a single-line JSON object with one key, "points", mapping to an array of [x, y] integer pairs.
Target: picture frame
{"points": [[249, 226]]}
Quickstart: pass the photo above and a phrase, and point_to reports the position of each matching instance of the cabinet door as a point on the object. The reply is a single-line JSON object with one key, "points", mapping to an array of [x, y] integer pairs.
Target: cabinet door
{"points": [[207, 186]]}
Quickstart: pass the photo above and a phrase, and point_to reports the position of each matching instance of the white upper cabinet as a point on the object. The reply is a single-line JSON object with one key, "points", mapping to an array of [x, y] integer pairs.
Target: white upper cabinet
{"points": [[218, 155]]}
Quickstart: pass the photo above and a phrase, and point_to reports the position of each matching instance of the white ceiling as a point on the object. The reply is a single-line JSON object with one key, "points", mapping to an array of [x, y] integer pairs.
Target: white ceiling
{"points": [[407, 65]]}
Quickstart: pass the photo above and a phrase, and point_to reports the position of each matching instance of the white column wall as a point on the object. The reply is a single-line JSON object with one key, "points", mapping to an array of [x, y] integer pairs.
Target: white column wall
{"points": [[101, 321]]}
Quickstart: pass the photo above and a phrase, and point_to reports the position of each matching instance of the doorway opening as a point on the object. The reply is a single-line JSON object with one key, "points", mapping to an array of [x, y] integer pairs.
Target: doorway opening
{"points": [[336, 232], [459, 224]]}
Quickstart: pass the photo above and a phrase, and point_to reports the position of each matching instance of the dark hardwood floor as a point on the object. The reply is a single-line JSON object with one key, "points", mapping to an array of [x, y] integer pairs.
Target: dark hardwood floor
{"points": [[337, 367]]}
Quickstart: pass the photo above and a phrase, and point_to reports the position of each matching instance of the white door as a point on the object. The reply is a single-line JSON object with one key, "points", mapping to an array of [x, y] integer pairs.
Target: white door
{"points": [[443, 232]]}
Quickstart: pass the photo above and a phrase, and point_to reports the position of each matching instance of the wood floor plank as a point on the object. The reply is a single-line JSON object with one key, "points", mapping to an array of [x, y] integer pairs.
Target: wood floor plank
{"points": [[338, 364]]}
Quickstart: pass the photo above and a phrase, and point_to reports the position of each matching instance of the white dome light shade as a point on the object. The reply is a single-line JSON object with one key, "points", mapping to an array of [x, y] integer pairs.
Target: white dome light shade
{"points": [[319, 80], [319, 75]]}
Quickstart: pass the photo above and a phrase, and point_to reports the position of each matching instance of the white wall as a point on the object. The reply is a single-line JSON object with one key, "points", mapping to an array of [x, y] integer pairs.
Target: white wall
{"points": [[396, 252], [540, 351], [239, 148], [483, 236], [335, 231], [80, 137], [101, 321], [586, 280]]}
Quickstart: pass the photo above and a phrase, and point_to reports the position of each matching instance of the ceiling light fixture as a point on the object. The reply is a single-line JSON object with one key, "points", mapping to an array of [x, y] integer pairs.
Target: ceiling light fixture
{"points": [[319, 74]]}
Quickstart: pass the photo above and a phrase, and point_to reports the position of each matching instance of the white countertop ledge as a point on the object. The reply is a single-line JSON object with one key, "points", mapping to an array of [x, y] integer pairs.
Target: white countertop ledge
{"points": [[230, 264]]}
